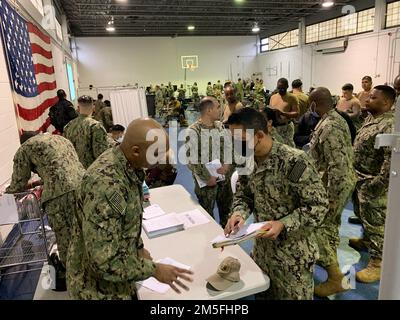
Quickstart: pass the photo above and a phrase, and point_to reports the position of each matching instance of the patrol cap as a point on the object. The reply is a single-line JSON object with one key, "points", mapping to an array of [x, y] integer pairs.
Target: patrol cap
{"points": [[227, 274]]}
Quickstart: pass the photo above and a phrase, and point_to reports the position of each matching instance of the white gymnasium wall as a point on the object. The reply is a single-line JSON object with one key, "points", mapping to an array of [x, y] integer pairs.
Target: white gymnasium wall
{"points": [[154, 60], [373, 54], [9, 138], [60, 68]]}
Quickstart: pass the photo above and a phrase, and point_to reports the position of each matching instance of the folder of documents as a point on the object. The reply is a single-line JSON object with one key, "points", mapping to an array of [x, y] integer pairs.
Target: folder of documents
{"points": [[245, 233], [166, 224], [153, 211], [212, 168]]}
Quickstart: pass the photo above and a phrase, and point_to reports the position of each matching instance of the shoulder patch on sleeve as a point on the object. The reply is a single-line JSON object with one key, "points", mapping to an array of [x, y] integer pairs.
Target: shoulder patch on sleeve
{"points": [[116, 201], [297, 171]]}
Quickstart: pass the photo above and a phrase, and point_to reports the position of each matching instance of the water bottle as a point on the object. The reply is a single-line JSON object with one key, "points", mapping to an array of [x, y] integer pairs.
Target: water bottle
{"points": [[146, 192]]}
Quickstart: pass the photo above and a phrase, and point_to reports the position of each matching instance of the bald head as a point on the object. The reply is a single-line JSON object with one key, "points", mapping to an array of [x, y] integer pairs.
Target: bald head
{"points": [[322, 96], [142, 134], [396, 85], [321, 100], [138, 129]]}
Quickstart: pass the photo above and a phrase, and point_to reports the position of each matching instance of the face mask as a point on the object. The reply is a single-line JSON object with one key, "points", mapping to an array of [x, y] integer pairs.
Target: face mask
{"points": [[282, 92]]}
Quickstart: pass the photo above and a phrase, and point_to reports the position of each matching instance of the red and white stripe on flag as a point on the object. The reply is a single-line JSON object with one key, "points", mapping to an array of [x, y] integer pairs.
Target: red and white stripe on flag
{"points": [[31, 69]]}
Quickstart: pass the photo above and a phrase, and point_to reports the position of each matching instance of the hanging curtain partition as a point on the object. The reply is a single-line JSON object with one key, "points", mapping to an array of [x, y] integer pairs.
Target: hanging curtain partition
{"points": [[128, 105]]}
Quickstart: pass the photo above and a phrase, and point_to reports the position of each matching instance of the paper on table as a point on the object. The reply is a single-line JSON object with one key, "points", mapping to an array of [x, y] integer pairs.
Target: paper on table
{"points": [[161, 223], [153, 211], [8, 209], [212, 168], [193, 218], [157, 286]]}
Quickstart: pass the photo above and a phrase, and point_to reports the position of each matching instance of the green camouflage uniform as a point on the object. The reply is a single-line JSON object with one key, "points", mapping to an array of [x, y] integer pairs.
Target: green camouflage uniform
{"points": [[373, 171], [276, 136], [170, 90], [181, 94], [222, 193], [56, 162], [287, 130], [285, 187], [259, 93], [210, 91], [287, 134], [98, 106], [195, 93], [104, 262], [240, 91], [88, 137], [106, 118], [159, 102], [332, 150], [247, 89], [164, 91]]}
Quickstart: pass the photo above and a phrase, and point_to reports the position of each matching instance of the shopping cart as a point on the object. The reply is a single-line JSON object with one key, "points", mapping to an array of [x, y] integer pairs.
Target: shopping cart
{"points": [[26, 247]]}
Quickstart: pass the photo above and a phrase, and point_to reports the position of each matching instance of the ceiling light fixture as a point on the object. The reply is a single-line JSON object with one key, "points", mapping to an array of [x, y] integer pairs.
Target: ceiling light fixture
{"points": [[110, 26], [255, 28], [191, 28], [328, 3]]}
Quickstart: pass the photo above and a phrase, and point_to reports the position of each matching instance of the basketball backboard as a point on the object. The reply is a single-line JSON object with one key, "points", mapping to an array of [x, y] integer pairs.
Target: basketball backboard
{"points": [[190, 62]]}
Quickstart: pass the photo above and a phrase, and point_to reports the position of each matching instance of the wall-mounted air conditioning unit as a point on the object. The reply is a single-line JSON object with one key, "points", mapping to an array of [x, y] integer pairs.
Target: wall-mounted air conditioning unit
{"points": [[339, 46]]}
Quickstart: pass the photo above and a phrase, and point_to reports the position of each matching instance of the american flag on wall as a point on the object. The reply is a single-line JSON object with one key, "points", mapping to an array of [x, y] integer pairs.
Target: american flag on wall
{"points": [[31, 69]]}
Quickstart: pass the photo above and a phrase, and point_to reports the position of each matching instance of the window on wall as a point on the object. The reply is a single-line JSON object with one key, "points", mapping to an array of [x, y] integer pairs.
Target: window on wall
{"points": [[357, 22], [264, 44], [366, 20], [347, 25], [58, 30], [280, 41], [393, 14], [71, 83], [38, 4]]}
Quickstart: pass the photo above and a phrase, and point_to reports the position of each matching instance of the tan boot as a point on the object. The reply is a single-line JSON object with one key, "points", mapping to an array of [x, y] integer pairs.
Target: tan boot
{"points": [[336, 283], [371, 273], [358, 244]]}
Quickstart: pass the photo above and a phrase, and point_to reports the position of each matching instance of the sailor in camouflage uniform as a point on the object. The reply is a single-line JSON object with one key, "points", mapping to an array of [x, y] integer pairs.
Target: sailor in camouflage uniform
{"points": [[285, 191], [272, 120], [54, 159], [86, 134], [209, 90], [373, 170], [219, 192], [332, 150], [107, 255], [106, 117], [159, 101]]}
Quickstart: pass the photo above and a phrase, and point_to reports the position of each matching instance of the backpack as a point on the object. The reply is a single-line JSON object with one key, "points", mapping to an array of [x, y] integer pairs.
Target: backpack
{"points": [[59, 114], [353, 129]]}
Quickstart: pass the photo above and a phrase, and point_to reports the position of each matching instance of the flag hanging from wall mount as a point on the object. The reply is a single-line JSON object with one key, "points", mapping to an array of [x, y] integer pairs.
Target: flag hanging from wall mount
{"points": [[31, 69]]}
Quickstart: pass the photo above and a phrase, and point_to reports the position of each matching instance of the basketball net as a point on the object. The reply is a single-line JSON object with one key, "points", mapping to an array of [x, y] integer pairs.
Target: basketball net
{"points": [[190, 67]]}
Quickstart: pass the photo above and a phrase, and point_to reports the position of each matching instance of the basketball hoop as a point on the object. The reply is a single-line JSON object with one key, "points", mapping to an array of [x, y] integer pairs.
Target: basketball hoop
{"points": [[190, 67], [190, 62]]}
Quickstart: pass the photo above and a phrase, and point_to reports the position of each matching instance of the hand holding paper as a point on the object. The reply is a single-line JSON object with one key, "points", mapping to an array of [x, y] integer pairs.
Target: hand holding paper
{"points": [[245, 233], [272, 230]]}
